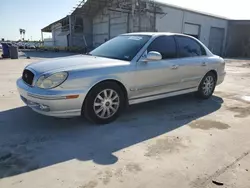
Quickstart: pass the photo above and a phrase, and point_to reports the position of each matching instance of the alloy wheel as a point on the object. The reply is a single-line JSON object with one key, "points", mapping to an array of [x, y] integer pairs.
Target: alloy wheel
{"points": [[106, 103], [208, 85]]}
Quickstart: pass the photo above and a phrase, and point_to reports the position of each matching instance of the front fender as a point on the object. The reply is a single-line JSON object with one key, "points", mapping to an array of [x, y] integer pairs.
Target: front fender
{"points": [[106, 78]]}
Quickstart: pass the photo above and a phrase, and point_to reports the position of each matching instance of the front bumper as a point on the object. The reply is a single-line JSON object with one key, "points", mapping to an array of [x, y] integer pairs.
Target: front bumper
{"points": [[51, 102]]}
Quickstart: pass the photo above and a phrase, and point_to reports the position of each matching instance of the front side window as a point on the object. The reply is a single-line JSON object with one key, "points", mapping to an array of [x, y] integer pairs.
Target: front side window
{"points": [[123, 47], [188, 47], [165, 45]]}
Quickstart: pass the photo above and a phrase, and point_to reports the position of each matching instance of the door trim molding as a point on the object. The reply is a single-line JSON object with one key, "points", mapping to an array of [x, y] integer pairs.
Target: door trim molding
{"points": [[163, 93], [152, 86], [161, 96]]}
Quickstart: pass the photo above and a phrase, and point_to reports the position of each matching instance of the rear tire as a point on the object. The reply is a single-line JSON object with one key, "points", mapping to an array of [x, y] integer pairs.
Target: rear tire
{"points": [[104, 103], [207, 86]]}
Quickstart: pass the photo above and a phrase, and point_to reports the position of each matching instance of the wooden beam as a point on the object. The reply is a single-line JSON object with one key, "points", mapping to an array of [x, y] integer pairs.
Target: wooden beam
{"points": [[119, 10]]}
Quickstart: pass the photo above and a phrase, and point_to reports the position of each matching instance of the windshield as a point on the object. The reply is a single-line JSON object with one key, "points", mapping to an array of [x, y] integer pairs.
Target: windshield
{"points": [[123, 47]]}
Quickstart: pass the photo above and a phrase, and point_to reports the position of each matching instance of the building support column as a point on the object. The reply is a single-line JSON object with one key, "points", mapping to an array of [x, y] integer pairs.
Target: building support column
{"points": [[154, 26], [109, 31], [70, 30], [133, 15], [128, 20], [139, 14], [42, 35], [182, 21]]}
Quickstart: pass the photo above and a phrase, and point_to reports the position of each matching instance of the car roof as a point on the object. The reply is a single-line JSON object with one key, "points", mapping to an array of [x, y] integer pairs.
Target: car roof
{"points": [[154, 33]]}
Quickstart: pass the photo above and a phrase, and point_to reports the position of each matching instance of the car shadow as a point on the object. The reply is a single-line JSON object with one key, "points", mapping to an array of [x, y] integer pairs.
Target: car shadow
{"points": [[30, 141]]}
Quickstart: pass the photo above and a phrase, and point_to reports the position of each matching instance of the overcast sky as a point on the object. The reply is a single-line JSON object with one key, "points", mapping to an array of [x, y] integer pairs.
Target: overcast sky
{"points": [[33, 15]]}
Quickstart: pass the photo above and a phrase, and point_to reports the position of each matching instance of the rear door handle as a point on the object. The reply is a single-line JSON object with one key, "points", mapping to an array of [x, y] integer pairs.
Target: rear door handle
{"points": [[204, 64], [175, 67]]}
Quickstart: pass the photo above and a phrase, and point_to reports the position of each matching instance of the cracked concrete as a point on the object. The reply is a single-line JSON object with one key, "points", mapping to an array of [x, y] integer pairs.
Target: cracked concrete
{"points": [[175, 142]]}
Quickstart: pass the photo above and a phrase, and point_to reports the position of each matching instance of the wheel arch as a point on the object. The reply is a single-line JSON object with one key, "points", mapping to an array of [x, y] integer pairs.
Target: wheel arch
{"points": [[214, 72], [210, 71], [201, 95], [119, 83]]}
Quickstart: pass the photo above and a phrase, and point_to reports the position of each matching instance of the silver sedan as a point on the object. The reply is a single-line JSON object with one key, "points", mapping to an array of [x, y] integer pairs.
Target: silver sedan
{"points": [[128, 69]]}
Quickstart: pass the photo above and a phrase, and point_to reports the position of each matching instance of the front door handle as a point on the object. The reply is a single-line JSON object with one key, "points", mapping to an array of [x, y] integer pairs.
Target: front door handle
{"points": [[175, 67], [204, 64]]}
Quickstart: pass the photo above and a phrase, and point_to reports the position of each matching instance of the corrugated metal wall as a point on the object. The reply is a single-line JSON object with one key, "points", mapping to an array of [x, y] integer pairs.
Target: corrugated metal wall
{"points": [[175, 20], [83, 38], [118, 23], [59, 37], [100, 27], [216, 40], [109, 23]]}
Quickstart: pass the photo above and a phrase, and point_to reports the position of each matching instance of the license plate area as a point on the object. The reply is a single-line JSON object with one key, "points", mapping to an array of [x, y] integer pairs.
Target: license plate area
{"points": [[35, 105], [29, 103]]}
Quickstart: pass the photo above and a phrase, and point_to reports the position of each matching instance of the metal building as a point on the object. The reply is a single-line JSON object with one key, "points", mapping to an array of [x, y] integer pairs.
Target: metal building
{"points": [[95, 21]]}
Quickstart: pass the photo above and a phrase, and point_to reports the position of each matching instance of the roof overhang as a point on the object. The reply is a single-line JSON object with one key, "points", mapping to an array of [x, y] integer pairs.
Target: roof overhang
{"points": [[239, 22], [90, 7], [49, 27], [190, 10]]}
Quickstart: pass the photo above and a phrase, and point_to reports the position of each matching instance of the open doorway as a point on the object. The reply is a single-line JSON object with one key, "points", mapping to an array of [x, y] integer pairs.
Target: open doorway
{"points": [[238, 40]]}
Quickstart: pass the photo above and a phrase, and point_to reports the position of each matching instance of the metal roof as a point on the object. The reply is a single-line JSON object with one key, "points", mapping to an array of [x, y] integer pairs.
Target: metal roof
{"points": [[191, 10], [239, 22], [91, 7], [48, 28]]}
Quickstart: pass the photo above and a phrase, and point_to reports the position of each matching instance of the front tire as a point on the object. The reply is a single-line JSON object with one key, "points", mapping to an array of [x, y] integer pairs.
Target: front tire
{"points": [[104, 103], [207, 86]]}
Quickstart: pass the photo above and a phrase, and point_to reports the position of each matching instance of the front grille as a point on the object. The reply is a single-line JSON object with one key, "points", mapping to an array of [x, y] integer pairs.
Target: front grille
{"points": [[28, 76]]}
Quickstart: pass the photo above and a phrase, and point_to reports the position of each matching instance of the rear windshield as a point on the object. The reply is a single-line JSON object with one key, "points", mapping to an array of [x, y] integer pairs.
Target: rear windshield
{"points": [[123, 47]]}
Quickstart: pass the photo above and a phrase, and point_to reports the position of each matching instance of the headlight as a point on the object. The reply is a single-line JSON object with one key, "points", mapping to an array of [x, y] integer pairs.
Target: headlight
{"points": [[51, 81]]}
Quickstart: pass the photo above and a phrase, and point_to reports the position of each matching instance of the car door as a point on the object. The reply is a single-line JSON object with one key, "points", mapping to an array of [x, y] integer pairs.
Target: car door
{"points": [[157, 77], [192, 61]]}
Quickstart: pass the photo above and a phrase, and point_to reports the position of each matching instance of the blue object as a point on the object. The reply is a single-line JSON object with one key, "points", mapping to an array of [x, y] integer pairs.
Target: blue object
{"points": [[6, 52]]}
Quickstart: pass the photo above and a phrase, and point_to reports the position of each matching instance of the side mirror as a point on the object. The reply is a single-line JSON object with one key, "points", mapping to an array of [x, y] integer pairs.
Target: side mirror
{"points": [[153, 56]]}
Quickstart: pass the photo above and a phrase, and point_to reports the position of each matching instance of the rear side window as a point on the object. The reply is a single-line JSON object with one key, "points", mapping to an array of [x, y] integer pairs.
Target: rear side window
{"points": [[165, 45], [188, 47]]}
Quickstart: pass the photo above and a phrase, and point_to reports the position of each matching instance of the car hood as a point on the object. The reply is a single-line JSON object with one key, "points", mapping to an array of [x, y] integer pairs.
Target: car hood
{"points": [[75, 62]]}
